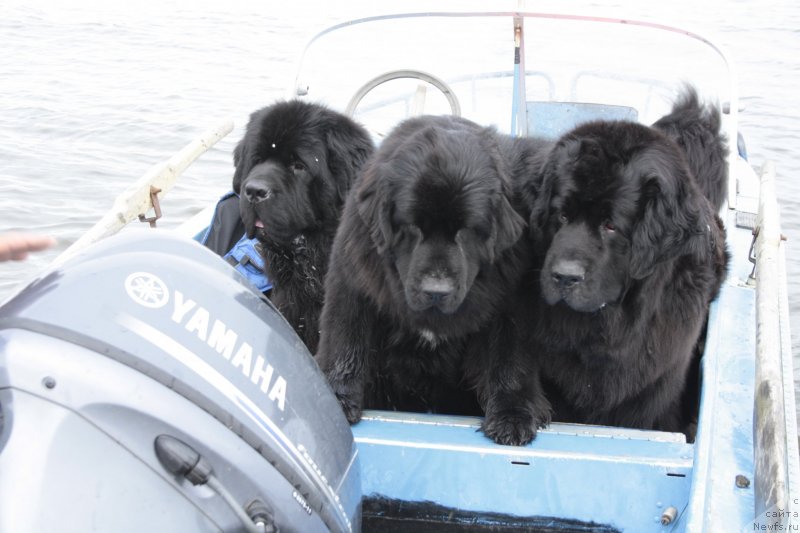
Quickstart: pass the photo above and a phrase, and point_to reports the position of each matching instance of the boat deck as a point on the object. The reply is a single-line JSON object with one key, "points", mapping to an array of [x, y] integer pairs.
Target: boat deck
{"points": [[420, 468]]}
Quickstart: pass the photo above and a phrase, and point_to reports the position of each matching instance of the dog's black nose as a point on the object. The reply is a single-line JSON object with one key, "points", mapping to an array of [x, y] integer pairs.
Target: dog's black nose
{"points": [[435, 297], [256, 191], [567, 274], [436, 289]]}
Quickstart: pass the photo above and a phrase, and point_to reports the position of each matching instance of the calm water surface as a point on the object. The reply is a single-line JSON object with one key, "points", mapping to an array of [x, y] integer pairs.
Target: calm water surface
{"points": [[92, 94]]}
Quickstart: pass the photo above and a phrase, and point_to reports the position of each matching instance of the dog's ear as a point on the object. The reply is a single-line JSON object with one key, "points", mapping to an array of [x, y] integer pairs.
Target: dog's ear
{"points": [[542, 184], [373, 206], [672, 215], [348, 148], [240, 157], [508, 226]]}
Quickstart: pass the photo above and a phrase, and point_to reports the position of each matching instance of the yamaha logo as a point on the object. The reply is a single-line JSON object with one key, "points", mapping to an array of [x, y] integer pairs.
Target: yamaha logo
{"points": [[147, 290]]}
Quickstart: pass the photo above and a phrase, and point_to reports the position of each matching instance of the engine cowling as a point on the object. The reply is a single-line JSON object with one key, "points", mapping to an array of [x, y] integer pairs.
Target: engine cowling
{"points": [[148, 334]]}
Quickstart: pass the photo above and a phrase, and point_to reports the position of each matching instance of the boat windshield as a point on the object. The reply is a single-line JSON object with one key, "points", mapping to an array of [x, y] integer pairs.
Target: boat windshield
{"points": [[383, 69]]}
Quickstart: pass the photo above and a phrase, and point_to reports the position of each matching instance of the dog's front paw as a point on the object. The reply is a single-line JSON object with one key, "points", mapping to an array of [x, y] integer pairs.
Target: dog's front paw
{"points": [[350, 405], [348, 390], [512, 427]]}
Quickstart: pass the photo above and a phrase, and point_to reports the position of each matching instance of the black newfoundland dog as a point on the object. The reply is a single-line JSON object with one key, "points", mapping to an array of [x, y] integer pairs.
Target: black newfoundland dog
{"points": [[634, 255], [294, 167], [417, 311]]}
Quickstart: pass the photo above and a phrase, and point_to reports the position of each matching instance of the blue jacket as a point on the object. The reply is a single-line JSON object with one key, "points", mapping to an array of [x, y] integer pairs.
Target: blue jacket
{"points": [[225, 236]]}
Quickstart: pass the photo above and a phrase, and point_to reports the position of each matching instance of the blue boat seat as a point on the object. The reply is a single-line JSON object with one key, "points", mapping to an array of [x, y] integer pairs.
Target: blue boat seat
{"points": [[552, 119]]}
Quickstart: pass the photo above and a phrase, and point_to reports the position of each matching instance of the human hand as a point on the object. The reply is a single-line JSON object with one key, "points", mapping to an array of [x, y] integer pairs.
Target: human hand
{"points": [[14, 245]]}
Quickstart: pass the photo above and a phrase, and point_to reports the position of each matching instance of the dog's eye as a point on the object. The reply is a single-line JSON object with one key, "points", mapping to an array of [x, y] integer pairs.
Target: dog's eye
{"points": [[407, 234], [609, 226], [563, 217]]}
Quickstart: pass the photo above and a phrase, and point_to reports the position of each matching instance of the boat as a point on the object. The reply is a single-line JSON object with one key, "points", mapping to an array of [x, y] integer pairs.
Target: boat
{"points": [[125, 407]]}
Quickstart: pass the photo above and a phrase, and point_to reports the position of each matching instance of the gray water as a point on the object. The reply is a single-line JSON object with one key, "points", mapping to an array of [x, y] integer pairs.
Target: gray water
{"points": [[93, 93]]}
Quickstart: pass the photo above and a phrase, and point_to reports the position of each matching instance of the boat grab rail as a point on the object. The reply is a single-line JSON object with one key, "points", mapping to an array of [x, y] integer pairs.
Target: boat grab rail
{"points": [[139, 197], [775, 427]]}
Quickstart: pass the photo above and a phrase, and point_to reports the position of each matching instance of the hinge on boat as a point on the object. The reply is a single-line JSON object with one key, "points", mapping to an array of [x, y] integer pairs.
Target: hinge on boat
{"points": [[751, 255], [156, 207]]}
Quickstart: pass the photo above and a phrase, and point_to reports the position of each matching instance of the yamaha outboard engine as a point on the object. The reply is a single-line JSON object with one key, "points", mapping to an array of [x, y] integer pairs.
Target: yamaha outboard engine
{"points": [[145, 386]]}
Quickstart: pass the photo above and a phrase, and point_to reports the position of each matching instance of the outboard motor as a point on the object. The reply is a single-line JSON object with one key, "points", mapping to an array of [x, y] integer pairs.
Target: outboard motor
{"points": [[145, 386]]}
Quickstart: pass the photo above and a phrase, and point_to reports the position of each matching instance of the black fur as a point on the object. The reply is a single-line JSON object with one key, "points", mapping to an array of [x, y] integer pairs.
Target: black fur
{"points": [[634, 255], [696, 129], [418, 314], [294, 167]]}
